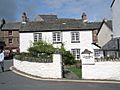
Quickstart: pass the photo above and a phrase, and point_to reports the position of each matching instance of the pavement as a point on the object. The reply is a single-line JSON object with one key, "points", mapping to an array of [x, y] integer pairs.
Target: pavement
{"points": [[70, 77]]}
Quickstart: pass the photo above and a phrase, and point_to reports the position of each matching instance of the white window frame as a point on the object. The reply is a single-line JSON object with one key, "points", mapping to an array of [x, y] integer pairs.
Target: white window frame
{"points": [[76, 53], [56, 37], [37, 37], [75, 37]]}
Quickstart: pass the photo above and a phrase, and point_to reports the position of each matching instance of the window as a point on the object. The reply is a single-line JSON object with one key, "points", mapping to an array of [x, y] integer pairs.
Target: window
{"points": [[76, 53], [75, 37], [37, 37], [9, 33], [10, 40], [56, 37], [97, 53]]}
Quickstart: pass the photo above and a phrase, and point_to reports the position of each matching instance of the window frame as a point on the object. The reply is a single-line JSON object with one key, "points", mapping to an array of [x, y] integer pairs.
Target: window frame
{"points": [[56, 37], [37, 37], [75, 37], [76, 53]]}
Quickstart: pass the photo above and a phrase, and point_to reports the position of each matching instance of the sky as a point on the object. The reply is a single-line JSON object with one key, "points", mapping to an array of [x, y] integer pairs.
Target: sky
{"points": [[96, 10]]}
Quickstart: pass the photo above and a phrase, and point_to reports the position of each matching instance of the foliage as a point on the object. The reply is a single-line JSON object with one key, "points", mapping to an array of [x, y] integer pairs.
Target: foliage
{"points": [[28, 57], [44, 50], [77, 71], [68, 58], [41, 48]]}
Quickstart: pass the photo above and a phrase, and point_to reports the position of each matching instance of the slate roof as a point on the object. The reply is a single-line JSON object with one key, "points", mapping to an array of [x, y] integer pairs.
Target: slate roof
{"points": [[112, 45], [109, 24], [59, 24], [11, 26], [48, 17]]}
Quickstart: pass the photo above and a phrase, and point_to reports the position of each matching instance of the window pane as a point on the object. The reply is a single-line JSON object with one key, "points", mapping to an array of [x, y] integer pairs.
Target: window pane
{"points": [[37, 36], [40, 36], [76, 53], [75, 36], [56, 37]]}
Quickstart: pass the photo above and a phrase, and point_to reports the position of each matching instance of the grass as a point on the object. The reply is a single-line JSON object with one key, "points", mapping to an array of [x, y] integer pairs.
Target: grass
{"points": [[77, 71]]}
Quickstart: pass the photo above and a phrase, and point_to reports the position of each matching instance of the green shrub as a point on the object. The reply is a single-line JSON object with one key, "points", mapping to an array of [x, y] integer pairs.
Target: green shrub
{"points": [[68, 58], [42, 50]]}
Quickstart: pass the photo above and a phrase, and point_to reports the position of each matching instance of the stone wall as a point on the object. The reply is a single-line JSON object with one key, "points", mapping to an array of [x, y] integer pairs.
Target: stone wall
{"points": [[101, 70], [44, 70], [109, 70]]}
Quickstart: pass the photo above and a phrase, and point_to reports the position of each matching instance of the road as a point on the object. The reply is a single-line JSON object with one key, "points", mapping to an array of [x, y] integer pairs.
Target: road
{"points": [[12, 81]]}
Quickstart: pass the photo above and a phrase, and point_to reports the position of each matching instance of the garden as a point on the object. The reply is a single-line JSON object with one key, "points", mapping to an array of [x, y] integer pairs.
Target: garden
{"points": [[42, 52]]}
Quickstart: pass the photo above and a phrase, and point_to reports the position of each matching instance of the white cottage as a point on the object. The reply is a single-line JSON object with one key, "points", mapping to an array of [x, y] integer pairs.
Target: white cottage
{"points": [[75, 34]]}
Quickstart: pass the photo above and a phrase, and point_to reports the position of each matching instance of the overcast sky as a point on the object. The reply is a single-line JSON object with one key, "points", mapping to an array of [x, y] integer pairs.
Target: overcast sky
{"points": [[96, 10]]}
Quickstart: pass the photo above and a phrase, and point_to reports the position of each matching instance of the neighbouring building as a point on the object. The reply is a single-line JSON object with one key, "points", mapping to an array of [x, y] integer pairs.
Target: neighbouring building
{"points": [[76, 34], [10, 34], [2, 43], [112, 48], [105, 32]]}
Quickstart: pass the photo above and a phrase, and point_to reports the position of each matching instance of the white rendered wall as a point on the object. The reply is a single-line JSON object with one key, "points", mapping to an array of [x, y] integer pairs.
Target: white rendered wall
{"points": [[104, 35], [47, 36], [44, 70], [86, 40], [26, 40], [101, 70], [66, 39], [116, 18]]}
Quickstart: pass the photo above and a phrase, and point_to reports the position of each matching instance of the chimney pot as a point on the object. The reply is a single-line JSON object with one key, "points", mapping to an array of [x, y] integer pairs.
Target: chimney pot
{"points": [[84, 17]]}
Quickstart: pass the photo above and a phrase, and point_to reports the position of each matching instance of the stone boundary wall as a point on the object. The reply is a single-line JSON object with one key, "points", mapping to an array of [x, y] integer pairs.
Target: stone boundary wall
{"points": [[44, 70], [101, 70]]}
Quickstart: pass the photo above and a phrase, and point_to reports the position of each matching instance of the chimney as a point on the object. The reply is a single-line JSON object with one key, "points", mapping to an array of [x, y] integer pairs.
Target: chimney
{"points": [[105, 20], [24, 18], [84, 17]]}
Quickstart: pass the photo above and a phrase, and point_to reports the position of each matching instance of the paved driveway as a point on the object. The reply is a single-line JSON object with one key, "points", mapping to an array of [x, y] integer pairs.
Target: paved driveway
{"points": [[12, 81]]}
